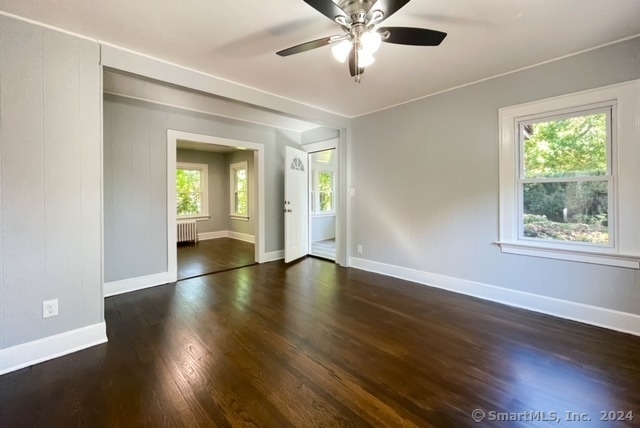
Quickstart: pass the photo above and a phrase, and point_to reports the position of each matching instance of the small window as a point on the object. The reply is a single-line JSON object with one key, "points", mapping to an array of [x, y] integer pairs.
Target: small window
{"points": [[297, 164], [191, 190], [323, 185], [239, 179]]}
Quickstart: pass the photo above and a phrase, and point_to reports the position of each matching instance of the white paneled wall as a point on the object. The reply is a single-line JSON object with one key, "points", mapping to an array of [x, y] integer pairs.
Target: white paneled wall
{"points": [[50, 182], [22, 182]]}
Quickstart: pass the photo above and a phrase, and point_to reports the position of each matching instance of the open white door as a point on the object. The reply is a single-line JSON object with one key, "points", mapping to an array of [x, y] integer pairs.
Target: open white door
{"points": [[296, 205]]}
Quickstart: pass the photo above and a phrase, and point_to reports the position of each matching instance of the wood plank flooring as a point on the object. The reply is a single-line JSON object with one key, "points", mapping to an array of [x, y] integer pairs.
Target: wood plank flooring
{"points": [[315, 345], [213, 255]]}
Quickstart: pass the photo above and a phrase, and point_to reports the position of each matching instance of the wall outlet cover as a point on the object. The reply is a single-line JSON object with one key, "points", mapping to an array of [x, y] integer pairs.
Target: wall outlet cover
{"points": [[50, 308]]}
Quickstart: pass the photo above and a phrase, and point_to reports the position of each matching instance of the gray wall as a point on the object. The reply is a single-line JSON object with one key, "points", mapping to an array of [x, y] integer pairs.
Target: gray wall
{"points": [[323, 227], [322, 133], [49, 182], [218, 187], [426, 179], [135, 197]]}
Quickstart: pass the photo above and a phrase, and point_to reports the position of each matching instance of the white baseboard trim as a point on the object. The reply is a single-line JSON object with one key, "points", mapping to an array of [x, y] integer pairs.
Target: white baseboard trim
{"points": [[132, 284], [601, 317], [204, 236], [241, 236], [273, 256], [37, 351]]}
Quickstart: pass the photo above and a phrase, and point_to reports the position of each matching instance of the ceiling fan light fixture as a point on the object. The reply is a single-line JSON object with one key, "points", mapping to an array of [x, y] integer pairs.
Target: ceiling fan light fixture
{"points": [[365, 59], [371, 41], [341, 50], [362, 33]]}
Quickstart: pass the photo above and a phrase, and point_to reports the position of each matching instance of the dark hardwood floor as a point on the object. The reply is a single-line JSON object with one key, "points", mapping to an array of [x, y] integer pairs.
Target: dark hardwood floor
{"points": [[316, 345], [213, 255]]}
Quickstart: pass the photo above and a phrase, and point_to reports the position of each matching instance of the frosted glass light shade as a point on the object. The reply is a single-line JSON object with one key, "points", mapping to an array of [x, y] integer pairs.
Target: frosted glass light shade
{"points": [[341, 50], [365, 59], [371, 41]]}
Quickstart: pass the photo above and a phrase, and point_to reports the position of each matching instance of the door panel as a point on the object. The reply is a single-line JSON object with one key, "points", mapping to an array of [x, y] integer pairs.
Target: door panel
{"points": [[296, 205]]}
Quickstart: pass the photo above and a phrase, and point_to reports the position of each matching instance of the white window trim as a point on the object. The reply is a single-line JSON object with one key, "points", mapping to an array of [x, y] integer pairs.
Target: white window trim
{"points": [[625, 155], [204, 185], [316, 192], [232, 191]]}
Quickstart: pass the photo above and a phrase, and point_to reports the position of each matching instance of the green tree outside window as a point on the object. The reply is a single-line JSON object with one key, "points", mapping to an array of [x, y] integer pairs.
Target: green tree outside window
{"points": [[325, 191], [188, 192]]}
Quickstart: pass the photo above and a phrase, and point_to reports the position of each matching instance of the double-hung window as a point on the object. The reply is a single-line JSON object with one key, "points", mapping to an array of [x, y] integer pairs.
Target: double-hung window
{"points": [[239, 190], [191, 190], [568, 177], [323, 189]]}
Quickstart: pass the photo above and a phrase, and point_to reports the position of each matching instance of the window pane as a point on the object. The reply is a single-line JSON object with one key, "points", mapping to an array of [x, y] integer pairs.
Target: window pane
{"points": [[325, 191], [241, 185], [569, 147], [188, 180], [189, 203], [567, 211], [326, 202], [241, 205], [239, 188], [188, 192]]}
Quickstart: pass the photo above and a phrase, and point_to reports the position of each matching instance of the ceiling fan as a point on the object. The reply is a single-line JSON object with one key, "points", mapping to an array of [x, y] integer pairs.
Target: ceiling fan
{"points": [[359, 20]]}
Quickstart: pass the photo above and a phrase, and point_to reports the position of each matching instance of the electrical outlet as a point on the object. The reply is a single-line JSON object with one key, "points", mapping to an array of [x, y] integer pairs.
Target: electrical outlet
{"points": [[352, 191], [50, 308], [359, 249]]}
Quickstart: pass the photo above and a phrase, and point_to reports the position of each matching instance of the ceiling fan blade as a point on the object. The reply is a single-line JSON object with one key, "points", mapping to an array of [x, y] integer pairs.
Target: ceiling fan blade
{"points": [[412, 36], [327, 8], [303, 47], [388, 7]]}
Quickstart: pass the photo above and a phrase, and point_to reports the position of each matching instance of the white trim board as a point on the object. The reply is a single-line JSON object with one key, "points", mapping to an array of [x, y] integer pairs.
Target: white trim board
{"points": [[241, 236], [132, 284], [48, 348], [601, 317], [205, 236], [273, 256]]}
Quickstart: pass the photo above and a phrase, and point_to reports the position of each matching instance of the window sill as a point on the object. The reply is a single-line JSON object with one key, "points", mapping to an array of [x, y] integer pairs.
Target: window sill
{"points": [[329, 214], [239, 217], [607, 259], [194, 217]]}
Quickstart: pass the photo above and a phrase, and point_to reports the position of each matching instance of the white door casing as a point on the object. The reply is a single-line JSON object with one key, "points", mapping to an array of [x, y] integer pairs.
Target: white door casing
{"points": [[296, 205]]}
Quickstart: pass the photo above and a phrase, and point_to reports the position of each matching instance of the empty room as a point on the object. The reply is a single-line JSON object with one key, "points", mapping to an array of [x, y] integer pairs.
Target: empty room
{"points": [[318, 213]]}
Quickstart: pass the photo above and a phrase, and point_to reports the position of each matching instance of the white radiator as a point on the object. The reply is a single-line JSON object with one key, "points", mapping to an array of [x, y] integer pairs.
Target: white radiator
{"points": [[187, 231]]}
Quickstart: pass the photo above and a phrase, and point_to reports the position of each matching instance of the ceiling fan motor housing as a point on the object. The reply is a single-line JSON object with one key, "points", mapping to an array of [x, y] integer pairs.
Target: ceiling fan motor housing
{"points": [[356, 7]]}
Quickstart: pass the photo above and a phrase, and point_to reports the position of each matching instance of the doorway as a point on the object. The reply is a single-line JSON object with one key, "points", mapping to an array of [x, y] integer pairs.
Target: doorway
{"points": [[222, 200], [323, 168], [311, 203]]}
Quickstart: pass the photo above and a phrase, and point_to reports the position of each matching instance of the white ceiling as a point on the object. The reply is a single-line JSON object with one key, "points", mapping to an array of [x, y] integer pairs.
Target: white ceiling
{"points": [[237, 40]]}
